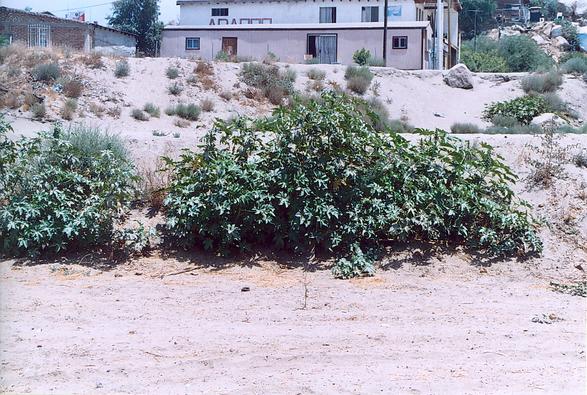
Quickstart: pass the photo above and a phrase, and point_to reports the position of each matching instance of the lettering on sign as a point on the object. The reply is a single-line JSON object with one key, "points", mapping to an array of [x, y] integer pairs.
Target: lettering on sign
{"points": [[241, 21]]}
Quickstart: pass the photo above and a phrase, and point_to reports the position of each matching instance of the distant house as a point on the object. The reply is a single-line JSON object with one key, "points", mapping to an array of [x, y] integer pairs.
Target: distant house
{"points": [[327, 31], [46, 30], [513, 11]]}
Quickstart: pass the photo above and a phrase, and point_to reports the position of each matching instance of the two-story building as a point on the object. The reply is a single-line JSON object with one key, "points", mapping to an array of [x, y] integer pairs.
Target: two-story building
{"points": [[327, 30]]}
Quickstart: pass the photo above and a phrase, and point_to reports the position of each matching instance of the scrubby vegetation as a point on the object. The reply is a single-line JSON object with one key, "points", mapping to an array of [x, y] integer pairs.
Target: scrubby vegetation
{"points": [[122, 69], [542, 82], [207, 105], [172, 72], [190, 112], [361, 56], [316, 74], [152, 110], [61, 190], [274, 83], [465, 128], [175, 89], [47, 72], [575, 65], [316, 176], [139, 115], [510, 54], [72, 87], [358, 79]]}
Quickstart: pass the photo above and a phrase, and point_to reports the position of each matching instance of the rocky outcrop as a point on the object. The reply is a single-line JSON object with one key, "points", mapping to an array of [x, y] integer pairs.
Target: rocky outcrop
{"points": [[548, 119], [459, 77]]}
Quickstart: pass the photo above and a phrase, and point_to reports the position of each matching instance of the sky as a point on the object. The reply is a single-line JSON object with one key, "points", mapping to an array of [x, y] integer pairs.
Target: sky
{"points": [[96, 10]]}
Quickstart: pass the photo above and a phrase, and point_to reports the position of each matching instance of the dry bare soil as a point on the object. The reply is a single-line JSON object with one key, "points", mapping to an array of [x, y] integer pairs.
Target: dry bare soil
{"points": [[427, 322]]}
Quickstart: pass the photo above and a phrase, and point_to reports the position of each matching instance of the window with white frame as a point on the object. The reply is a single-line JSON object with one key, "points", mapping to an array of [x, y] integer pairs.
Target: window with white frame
{"points": [[399, 42], [39, 36], [370, 14], [192, 43], [327, 14], [219, 11]]}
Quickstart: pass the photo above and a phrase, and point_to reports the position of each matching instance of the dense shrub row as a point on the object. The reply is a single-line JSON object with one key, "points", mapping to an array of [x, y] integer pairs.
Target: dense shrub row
{"points": [[509, 54], [317, 176]]}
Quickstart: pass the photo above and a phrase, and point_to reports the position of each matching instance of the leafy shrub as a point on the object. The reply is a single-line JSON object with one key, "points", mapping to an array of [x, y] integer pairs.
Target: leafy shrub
{"points": [[465, 128], [575, 65], [190, 112], [543, 82], [152, 110], [361, 56], [172, 72], [122, 69], [358, 79], [134, 241], [521, 53], [47, 72], [316, 74], [139, 115], [523, 109], [274, 84], [39, 110], [483, 62], [315, 175], [207, 105], [175, 89], [72, 192]]}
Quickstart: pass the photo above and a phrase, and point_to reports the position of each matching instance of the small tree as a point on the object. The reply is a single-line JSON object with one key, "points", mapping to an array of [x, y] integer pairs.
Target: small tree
{"points": [[361, 56], [140, 17]]}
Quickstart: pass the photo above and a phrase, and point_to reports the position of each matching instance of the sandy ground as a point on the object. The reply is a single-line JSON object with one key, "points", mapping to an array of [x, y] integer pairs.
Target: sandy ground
{"points": [[444, 323], [416, 329]]}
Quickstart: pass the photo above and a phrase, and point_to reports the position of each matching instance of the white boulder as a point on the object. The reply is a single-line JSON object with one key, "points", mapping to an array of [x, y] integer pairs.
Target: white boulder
{"points": [[459, 77]]}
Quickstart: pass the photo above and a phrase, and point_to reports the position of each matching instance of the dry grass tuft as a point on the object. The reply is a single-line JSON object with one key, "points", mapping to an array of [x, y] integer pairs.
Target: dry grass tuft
{"points": [[11, 99], [93, 60], [207, 105]]}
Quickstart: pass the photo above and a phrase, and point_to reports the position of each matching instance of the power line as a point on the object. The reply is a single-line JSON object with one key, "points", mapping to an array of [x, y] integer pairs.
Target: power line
{"points": [[83, 8]]}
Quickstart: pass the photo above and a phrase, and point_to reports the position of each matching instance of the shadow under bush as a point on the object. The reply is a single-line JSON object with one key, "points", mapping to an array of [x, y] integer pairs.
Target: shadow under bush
{"points": [[318, 176]]}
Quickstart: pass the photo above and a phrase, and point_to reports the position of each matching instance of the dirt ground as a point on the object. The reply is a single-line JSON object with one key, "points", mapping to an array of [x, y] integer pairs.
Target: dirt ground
{"points": [[437, 328]]}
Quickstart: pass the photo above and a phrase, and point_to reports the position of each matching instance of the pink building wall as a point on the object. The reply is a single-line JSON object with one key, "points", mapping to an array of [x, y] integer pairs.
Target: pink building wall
{"points": [[290, 45]]}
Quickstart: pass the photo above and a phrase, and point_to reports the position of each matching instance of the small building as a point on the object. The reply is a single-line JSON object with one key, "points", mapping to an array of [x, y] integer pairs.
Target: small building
{"points": [[329, 31], [46, 30], [408, 42]]}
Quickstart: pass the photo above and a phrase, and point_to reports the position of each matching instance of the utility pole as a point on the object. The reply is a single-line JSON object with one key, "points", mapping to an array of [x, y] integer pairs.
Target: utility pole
{"points": [[449, 63], [475, 30], [439, 34], [385, 33]]}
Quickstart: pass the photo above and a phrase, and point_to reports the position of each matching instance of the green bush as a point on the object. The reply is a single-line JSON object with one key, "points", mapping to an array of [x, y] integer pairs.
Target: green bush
{"points": [[316, 74], [222, 56], [175, 89], [483, 62], [542, 82], [361, 56], [376, 62], [316, 176], [139, 115], [152, 110], [274, 83], [59, 192], [570, 34], [172, 72], [358, 79], [524, 109], [465, 128], [521, 53], [575, 65], [122, 69], [505, 121], [46, 72], [554, 103], [191, 112]]}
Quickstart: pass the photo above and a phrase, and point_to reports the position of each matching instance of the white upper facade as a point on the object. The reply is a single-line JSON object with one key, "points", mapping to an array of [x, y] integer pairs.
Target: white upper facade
{"points": [[231, 12]]}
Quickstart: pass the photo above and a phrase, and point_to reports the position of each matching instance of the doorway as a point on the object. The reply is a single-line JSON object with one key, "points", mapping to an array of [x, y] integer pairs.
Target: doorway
{"points": [[229, 46], [323, 47]]}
